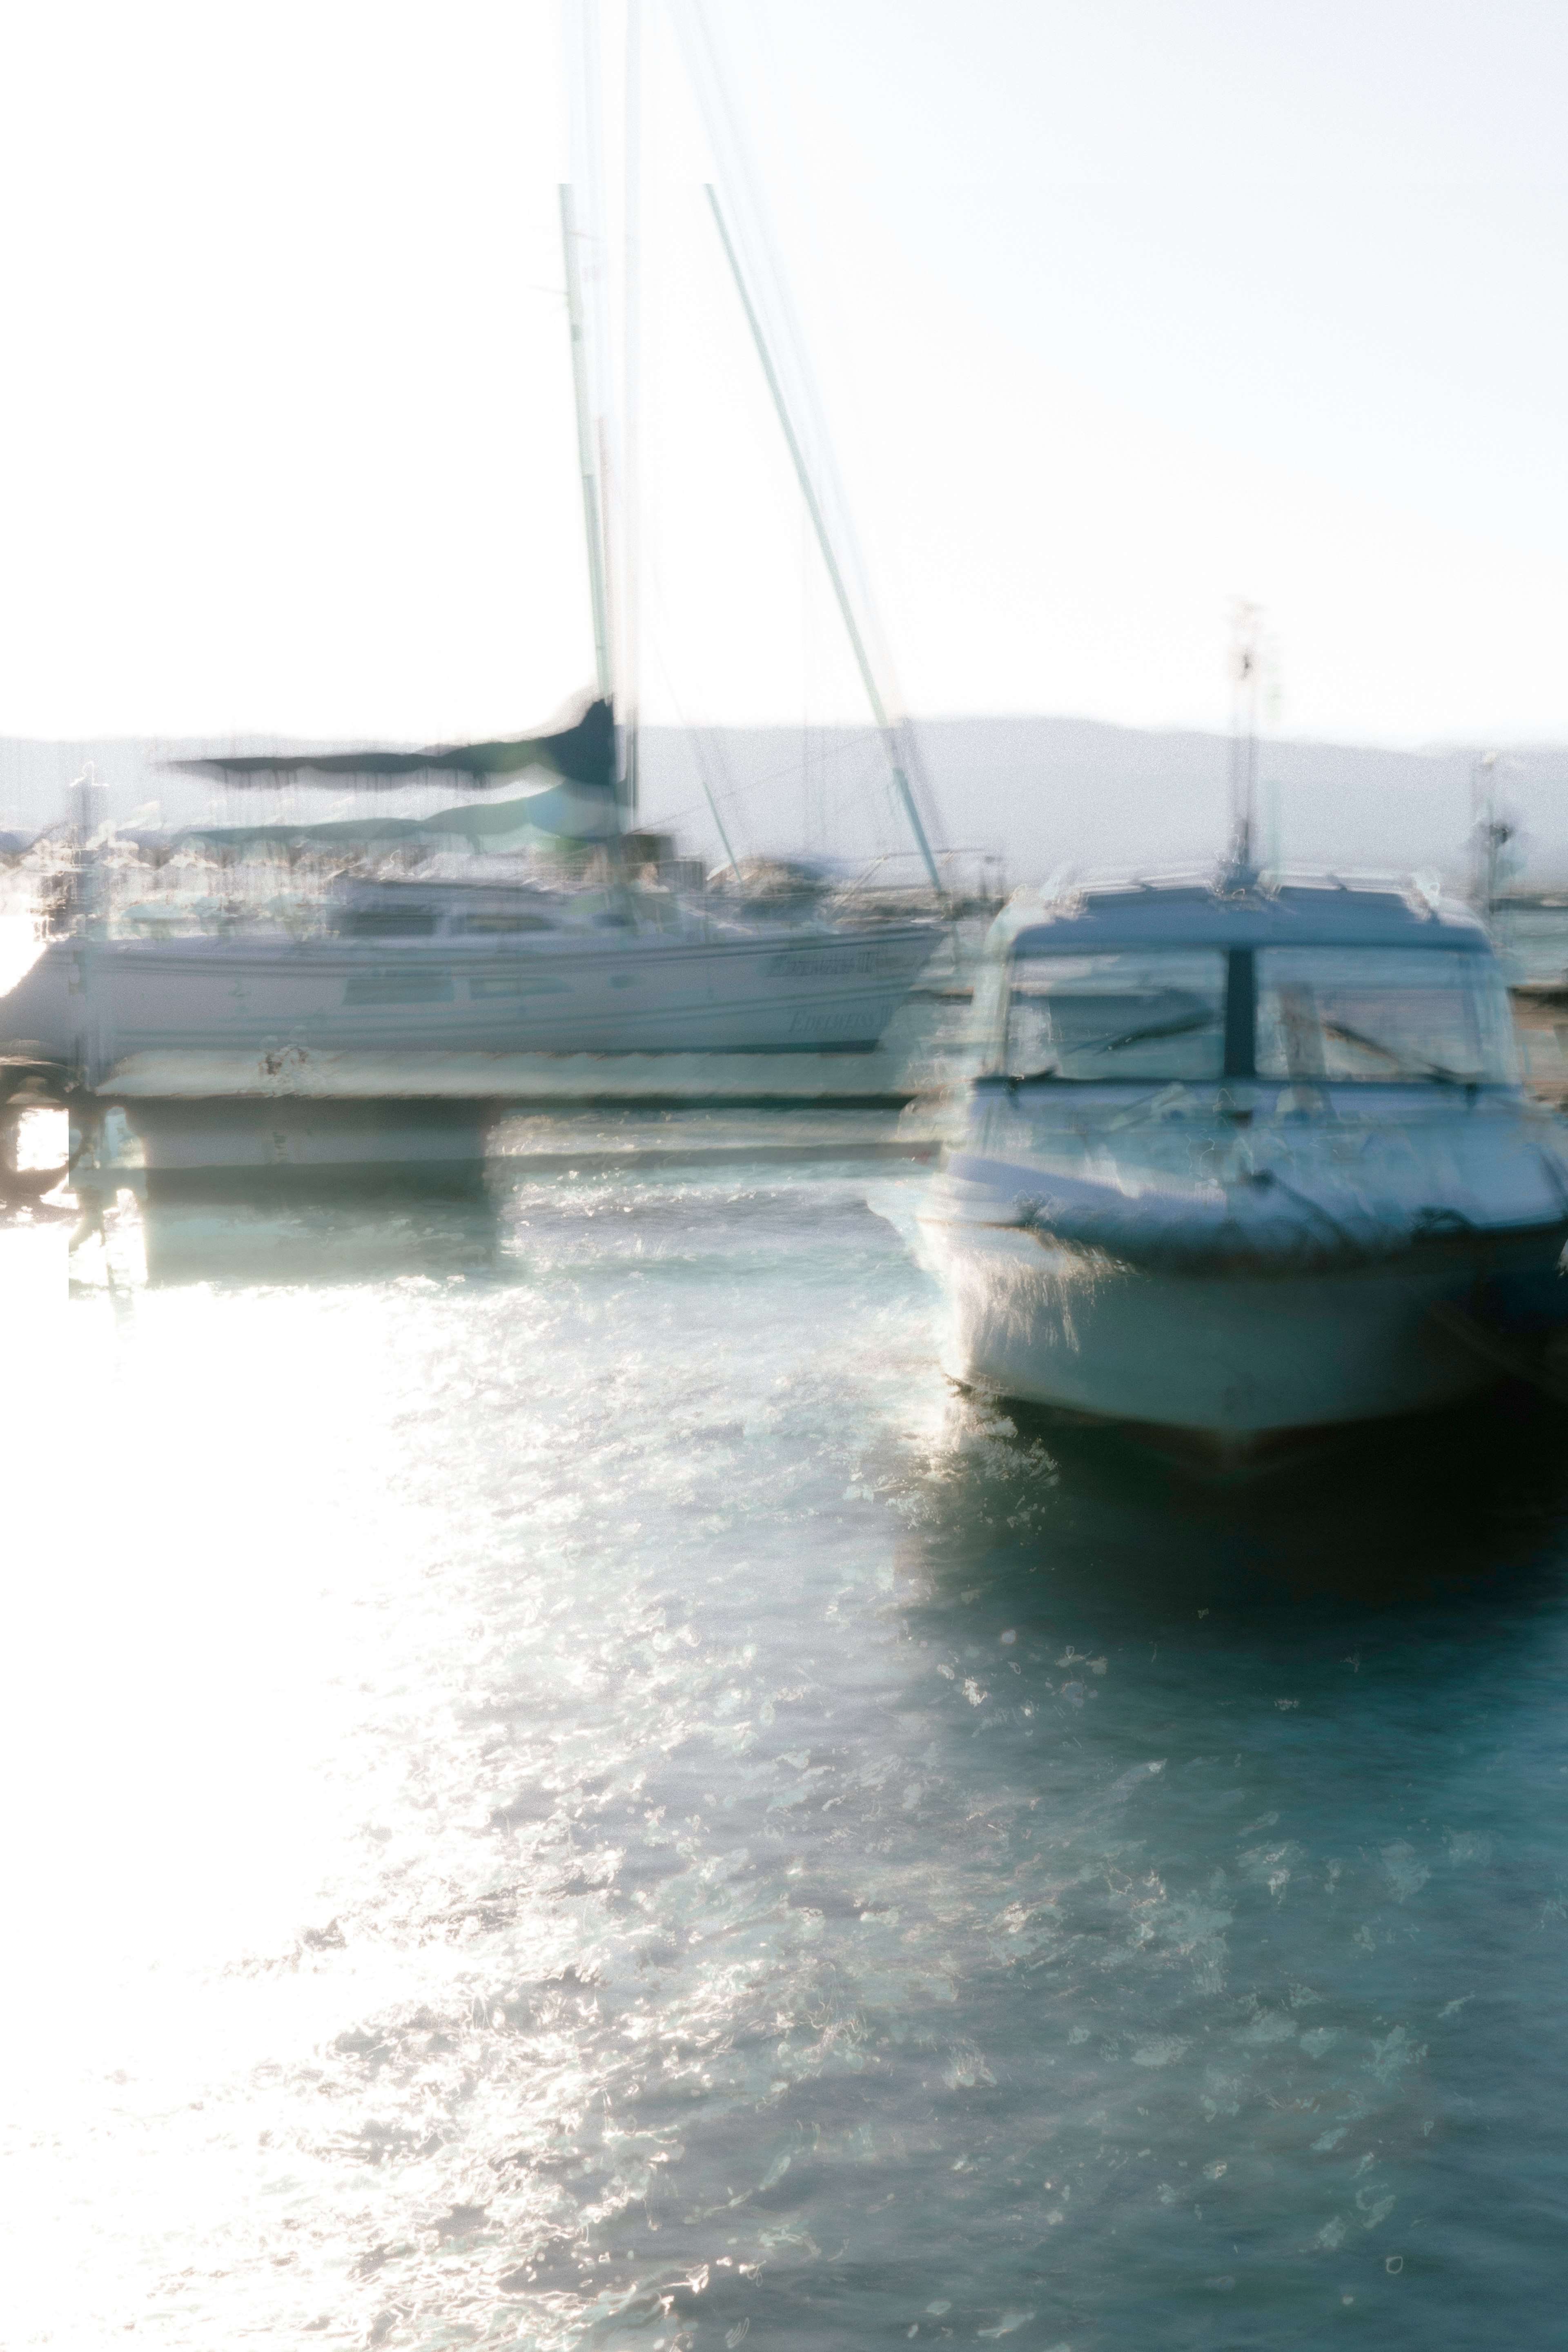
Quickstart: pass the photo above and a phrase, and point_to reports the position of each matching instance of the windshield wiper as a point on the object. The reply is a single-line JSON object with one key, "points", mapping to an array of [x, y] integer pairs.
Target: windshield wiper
{"points": [[1416, 1069], [1180, 1028]]}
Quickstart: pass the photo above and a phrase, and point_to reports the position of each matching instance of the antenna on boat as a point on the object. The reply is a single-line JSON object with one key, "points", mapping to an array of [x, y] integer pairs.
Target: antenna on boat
{"points": [[1490, 832], [593, 513], [1246, 673], [885, 724]]}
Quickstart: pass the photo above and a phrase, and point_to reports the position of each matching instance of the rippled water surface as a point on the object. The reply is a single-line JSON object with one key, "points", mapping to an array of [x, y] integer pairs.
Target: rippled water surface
{"points": [[564, 1790]]}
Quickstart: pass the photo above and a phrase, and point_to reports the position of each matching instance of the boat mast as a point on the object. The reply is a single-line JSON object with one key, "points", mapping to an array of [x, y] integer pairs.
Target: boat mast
{"points": [[630, 358], [591, 512], [885, 726]]}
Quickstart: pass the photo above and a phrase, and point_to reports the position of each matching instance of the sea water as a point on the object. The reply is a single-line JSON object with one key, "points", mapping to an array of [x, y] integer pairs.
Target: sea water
{"points": [[564, 1790]]}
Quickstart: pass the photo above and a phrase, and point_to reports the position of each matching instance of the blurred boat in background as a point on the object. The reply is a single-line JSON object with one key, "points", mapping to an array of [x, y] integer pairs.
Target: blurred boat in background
{"points": [[401, 969], [397, 971]]}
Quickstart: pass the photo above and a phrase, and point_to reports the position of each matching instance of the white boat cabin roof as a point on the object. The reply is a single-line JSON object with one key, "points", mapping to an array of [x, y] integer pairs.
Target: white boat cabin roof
{"points": [[1182, 912]]}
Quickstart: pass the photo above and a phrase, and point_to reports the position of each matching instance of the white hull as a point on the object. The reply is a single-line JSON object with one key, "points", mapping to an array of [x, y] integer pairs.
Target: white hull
{"points": [[1290, 1285], [1246, 1160], [1227, 1357], [786, 994]]}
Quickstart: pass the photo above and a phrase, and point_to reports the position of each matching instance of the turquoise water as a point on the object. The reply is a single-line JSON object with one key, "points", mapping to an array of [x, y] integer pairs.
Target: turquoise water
{"points": [[565, 1790]]}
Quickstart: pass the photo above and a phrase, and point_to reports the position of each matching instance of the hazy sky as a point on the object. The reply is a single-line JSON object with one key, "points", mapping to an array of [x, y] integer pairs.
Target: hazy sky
{"points": [[1117, 312]]}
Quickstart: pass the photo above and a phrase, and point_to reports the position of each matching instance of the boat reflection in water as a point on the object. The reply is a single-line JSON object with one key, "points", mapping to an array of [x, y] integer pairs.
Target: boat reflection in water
{"points": [[296, 1190], [291, 1191], [1245, 1162]]}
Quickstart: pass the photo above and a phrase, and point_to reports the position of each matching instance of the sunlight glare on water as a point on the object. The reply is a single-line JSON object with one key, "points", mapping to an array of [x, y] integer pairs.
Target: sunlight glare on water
{"points": [[569, 1793]]}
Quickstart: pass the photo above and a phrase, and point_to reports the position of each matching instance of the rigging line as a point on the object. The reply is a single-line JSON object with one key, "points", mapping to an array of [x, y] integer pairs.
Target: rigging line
{"points": [[713, 812], [586, 86], [612, 501], [786, 768], [726, 130], [696, 738], [735, 148], [592, 514], [824, 541], [704, 743], [631, 362], [814, 824], [705, 739], [733, 792]]}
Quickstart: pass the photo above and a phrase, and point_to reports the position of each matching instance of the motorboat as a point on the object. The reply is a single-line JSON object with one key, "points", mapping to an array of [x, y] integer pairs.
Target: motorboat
{"points": [[1240, 1161]]}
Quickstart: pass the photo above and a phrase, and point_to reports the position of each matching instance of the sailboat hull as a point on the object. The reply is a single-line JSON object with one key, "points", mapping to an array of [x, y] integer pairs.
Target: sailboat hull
{"points": [[781, 995]]}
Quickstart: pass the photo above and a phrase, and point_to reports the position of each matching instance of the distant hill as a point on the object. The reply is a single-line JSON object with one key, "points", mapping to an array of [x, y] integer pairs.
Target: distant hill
{"points": [[1044, 792], [1074, 793]]}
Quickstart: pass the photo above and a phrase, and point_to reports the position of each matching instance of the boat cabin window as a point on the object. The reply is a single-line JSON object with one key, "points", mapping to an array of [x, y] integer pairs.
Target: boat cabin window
{"points": [[387, 922], [510, 923], [1382, 1014], [1138, 1014]]}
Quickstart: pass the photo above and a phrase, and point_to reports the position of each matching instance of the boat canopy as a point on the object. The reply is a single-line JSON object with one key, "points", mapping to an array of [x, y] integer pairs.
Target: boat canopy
{"points": [[582, 754], [1185, 914]]}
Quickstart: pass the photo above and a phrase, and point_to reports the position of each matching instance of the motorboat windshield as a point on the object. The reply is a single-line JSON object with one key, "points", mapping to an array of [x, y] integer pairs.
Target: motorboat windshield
{"points": [[1348, 1015], [1133, 1013], [1409, 1002]]}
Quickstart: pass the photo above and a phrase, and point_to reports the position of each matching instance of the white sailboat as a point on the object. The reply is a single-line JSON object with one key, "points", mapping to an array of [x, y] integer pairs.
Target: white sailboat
{"points": [[418, 970], [405, 970]]}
